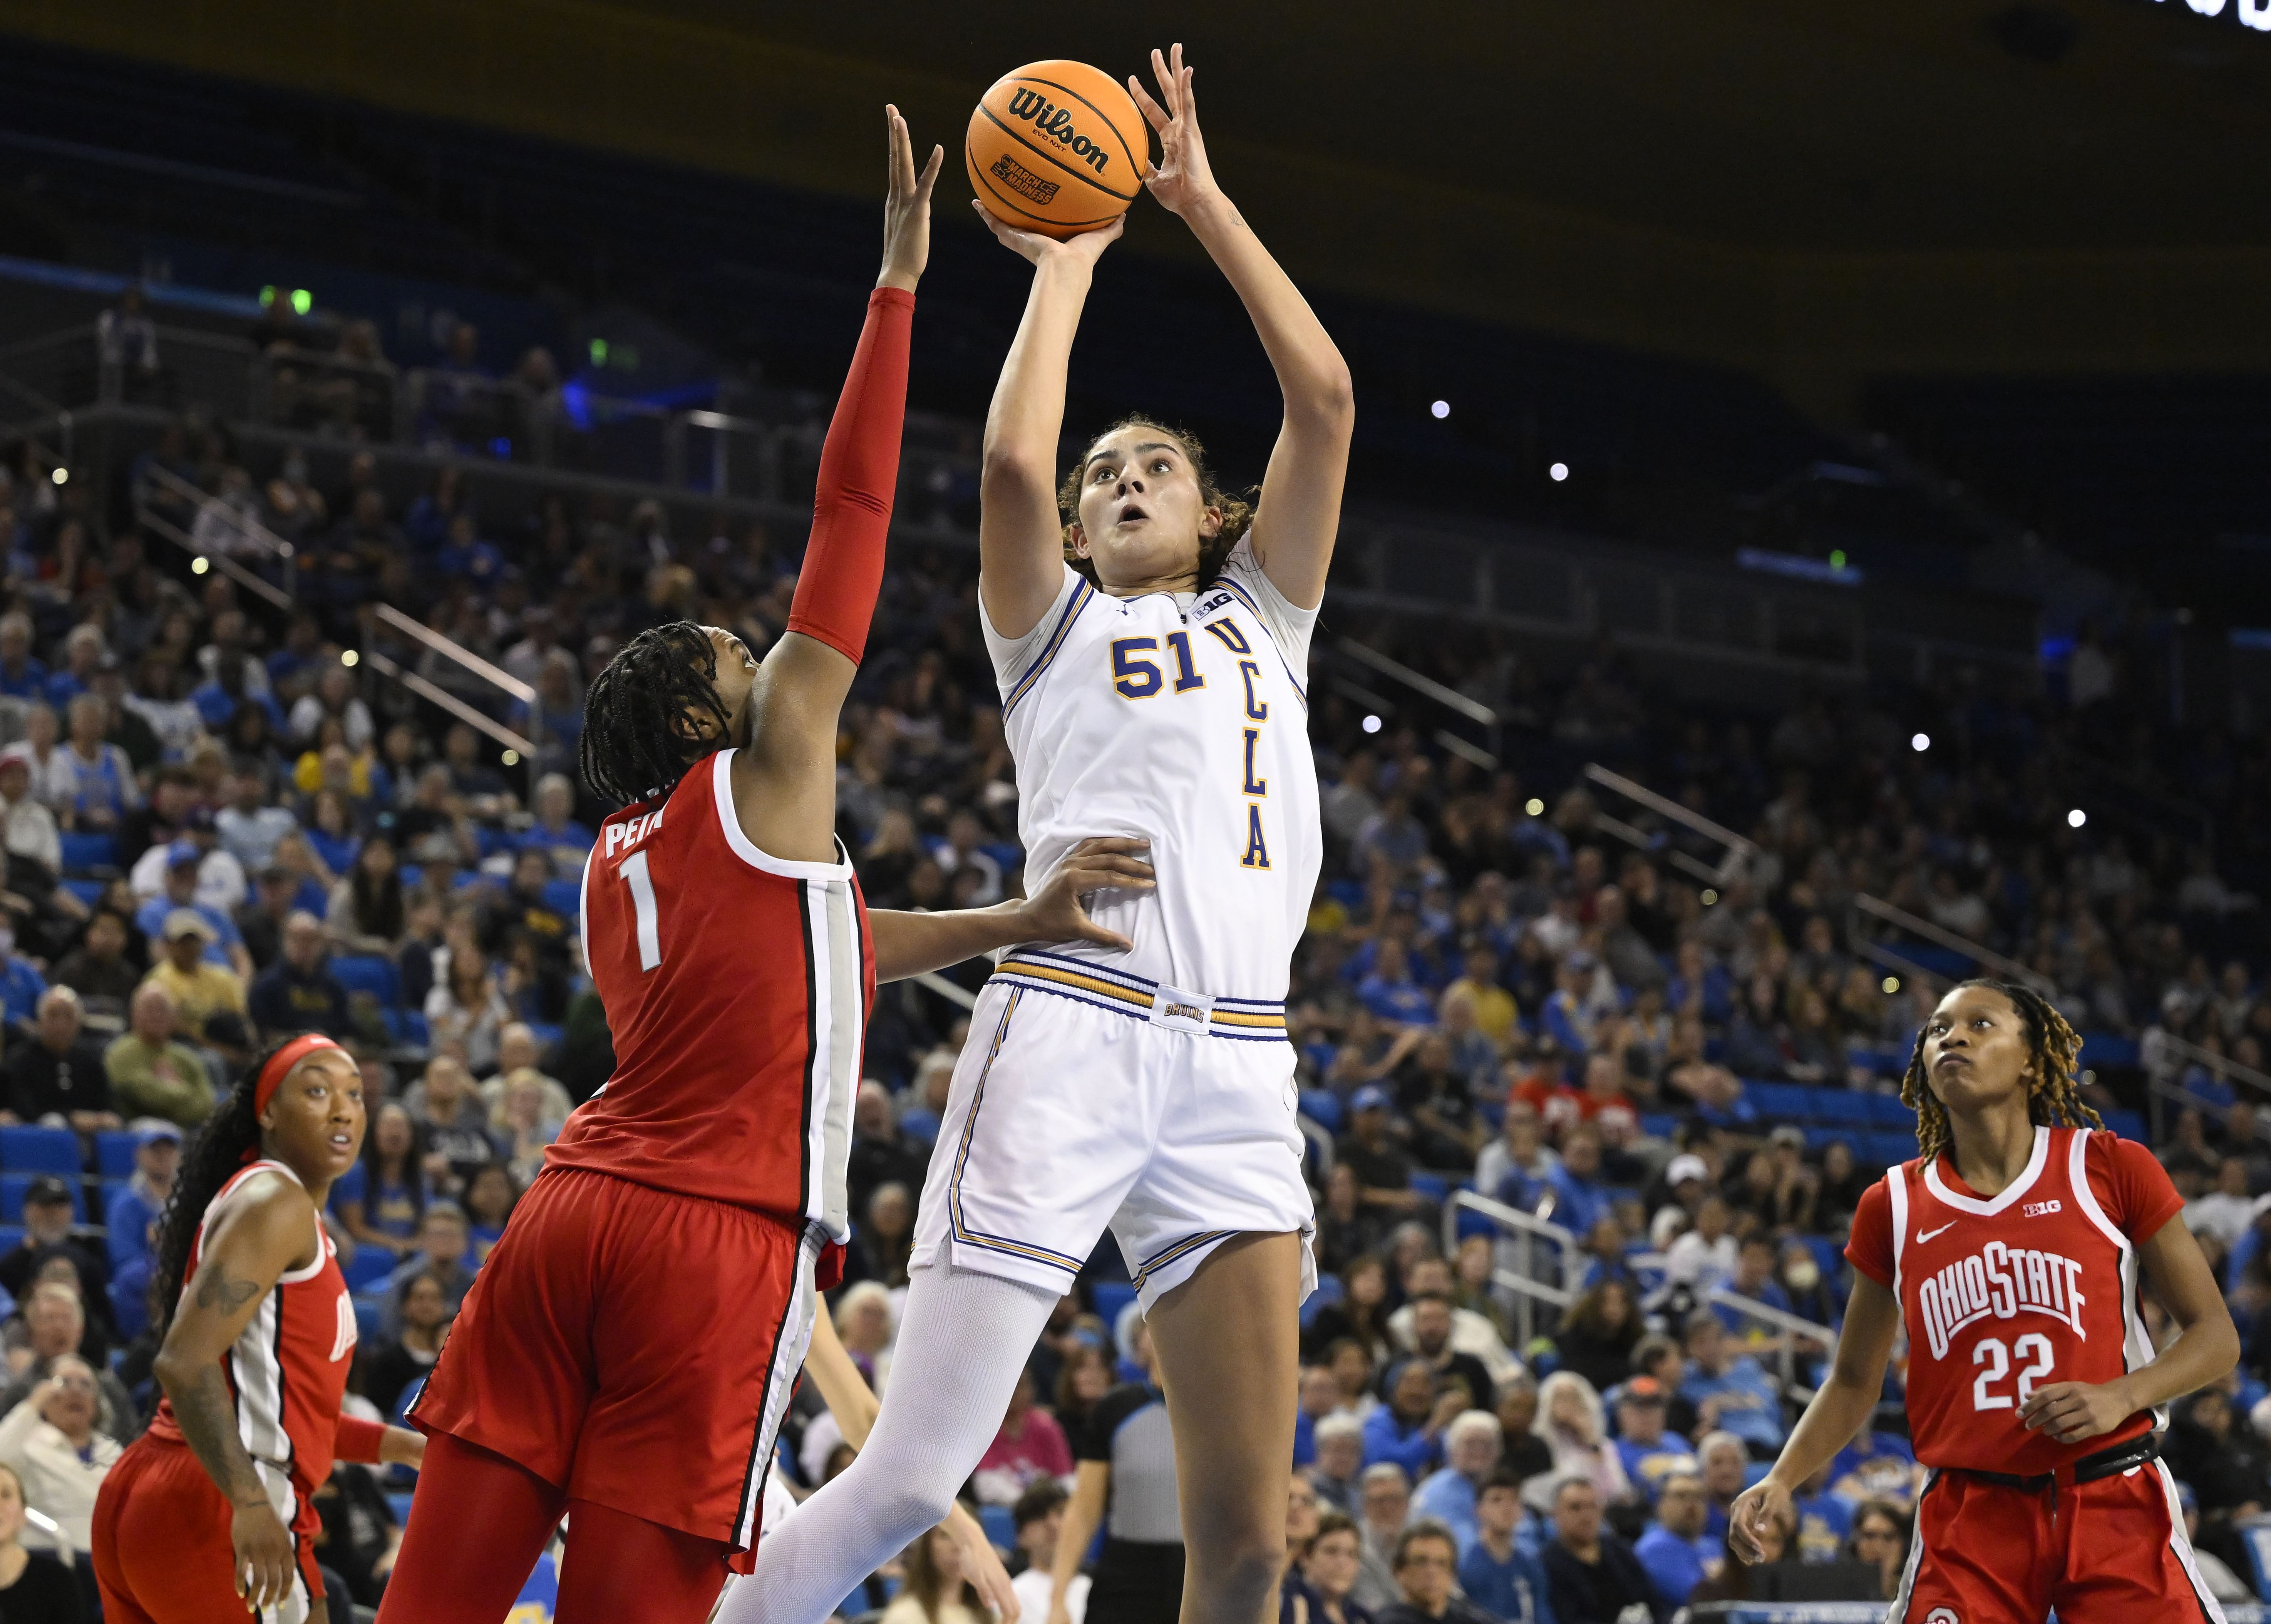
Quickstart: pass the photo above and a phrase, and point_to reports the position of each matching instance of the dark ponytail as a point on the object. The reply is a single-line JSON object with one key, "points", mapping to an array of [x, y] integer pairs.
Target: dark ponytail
{"points": [[216, 1153]]}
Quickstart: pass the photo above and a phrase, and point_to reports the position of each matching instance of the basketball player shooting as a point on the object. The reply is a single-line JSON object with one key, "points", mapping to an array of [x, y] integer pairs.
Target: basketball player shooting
{"points": [[1149, 636], [2011, 1252], [630, 1346]]}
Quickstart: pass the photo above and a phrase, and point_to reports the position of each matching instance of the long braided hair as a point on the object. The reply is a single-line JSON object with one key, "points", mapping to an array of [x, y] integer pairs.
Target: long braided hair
{"points": [[215, 1154], [634, 747], [2054, 1097]]}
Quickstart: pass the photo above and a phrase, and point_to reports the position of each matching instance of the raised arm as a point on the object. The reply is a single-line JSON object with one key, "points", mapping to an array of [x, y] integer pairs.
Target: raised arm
{"points": [[263, 1232], [1020, 535], [1300, 513], [1839, 1410], [910, 943], [784, 783]]}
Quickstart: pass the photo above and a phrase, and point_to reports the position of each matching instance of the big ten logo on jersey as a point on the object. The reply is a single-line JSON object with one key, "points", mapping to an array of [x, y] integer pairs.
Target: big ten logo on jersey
{"points": [[623, 836], [343, 1338]]}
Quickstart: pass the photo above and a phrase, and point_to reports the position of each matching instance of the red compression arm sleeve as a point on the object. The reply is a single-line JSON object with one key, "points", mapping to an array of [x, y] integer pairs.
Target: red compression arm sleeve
{"points": [[859, 472], [357, 1439]]}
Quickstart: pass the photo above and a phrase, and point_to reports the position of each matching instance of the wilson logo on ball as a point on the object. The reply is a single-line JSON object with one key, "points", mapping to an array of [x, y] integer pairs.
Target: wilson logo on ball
{"points": [[1056, 122]]}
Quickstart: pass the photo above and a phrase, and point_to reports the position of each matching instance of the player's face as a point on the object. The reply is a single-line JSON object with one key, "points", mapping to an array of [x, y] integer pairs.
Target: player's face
{"points": [[1975, 1049], [315, 1119], [1141, 513], [737, 674]]}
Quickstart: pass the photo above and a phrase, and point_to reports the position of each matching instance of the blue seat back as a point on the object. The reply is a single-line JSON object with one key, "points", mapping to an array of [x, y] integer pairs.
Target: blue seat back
{"points": [[369, 972], [564, 898], [1112, 1299], [82, 852], [1322, 1106], [1434, 1186], [114, 1153], [1000, 1525], [39, 1149]]}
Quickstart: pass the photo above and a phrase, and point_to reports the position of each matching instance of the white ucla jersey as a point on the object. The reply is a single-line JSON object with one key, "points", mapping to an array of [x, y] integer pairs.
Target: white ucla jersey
{"points": [[1180, 719]]}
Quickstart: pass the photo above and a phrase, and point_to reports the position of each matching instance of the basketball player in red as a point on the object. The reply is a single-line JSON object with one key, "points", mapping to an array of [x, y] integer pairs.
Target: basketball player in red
{"points": [[211, 1513], [628, 1349], [2012, 1252]]}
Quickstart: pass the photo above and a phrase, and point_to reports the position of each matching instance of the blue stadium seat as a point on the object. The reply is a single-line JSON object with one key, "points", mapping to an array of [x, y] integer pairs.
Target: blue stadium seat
{"points": [[1001, 1527], [1434, 1186], [1819, 1139], [2109, 1049], [1111, 1298], [2128, 1124], [369, 972], [1659, 1124], [13, 1185], [88, 892], [399, 1504], [1886, 1148], [1888, 1111], [11, 1236], [920, 1122], [548, 1038], [1329, 1291], [564, 897], [1842, 1107], [413, 1030], [1473, 1222], [368, 1327], [1788, 1102], [39, 1149], [371, 1265], [85, 852], [1322, 1106], [114, 1153]]}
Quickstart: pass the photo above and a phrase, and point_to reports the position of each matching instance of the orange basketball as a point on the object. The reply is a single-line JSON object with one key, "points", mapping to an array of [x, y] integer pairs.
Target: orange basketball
{"points": [[1057, 148]]}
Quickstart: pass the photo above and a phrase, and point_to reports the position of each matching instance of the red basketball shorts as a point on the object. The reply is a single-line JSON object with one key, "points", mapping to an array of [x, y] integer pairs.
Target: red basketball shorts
{"points": [[2112, 1552], [634, 1348], [162, 1553]]}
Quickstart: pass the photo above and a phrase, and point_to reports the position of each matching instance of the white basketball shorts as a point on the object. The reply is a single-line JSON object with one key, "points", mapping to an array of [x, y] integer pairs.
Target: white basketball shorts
{"points": [[1086, 1097]]}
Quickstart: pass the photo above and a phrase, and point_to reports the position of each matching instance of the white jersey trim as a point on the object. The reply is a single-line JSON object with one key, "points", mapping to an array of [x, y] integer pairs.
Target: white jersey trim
{"points": [[2003, 1198], [747, 851], [1897, 1186], [791, 1341], [2136, 1345], [1896, 1610], [2183, 1546]]}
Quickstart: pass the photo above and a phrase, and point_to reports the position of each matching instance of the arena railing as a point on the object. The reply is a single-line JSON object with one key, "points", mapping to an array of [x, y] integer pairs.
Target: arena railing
{"points": [[1517, 1271], [1738, 851]]}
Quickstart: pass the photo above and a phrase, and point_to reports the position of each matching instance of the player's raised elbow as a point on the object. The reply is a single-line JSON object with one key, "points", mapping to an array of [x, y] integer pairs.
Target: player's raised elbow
{"points": [[1009, 471], [1325, 400]]}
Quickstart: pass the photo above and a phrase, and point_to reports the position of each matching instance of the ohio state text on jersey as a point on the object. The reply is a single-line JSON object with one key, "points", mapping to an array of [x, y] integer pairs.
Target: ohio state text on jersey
{"points": [[736, 986], [2000, 1295]]}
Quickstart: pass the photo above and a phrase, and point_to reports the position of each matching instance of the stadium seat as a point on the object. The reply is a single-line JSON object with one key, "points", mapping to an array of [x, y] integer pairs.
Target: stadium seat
{"points": [[368, 1326], [39, 1149], [1787, 1102], [88, 892], [1887, 1149], [114, 1153], [1111, 1298], [1001, 1527], [11, 1236], [369, 972], [1659, 1124], [1329, 1291], [1322, 1106], [547, 1037], [1889, 1111], [921, 1122], [1473, 1222], [1842, 1107], [399, 1504], [1434, 1186], [2128, 1124], [13, 1186], [371, 1265], [564, 898], [83, 853]]}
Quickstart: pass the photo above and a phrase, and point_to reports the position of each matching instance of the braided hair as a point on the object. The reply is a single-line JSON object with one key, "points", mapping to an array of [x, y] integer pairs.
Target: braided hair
{"points": [[633, 746], [2054, 1097], [215, 1154]]}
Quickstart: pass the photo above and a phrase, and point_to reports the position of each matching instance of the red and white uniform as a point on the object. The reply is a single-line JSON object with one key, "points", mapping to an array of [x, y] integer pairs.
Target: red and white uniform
{"points": [[634, 1337], [161, 1525], [1999, 1296]]}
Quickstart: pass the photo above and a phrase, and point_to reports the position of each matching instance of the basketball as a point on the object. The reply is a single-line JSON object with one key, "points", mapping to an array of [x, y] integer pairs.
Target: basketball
{"points": [[1056, 147]]}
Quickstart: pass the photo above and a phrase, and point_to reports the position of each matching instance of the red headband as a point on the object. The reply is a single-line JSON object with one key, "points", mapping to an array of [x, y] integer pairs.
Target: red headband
{"points": [[281, 1063]]}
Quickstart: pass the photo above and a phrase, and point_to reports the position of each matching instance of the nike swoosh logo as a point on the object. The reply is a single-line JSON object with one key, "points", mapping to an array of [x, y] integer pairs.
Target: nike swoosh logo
{"points": [[1924, 1235]]}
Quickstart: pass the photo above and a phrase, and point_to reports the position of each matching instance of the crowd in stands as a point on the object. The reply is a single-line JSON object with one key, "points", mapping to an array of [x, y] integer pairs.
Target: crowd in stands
{"points": [[219, 828]]}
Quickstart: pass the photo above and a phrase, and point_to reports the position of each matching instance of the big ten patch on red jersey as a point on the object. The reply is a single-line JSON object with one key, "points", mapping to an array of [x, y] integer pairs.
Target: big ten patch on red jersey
{"points": [[736, 986], [2001, 1295]]}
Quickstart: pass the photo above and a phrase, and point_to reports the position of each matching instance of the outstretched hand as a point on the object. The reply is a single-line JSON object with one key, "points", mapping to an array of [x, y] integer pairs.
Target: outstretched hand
{"points": [[1182, 176], [1756, 1510], [1106, 863], [906, 207], [1086, 247]]}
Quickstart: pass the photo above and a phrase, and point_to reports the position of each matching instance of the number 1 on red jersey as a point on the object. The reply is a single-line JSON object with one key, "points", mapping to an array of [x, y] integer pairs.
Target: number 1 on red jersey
{"points": [[643, 911]]}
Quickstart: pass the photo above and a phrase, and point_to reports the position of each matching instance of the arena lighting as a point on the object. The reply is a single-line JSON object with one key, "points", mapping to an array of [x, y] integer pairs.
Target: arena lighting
{"points": [[1920, 743], [349, 657], [1440, 409], [1891, 984], [600, 355], [302, 301], [512, 758], [60, 476], [1710, 895], [198, 566], [1560, 471], [1534, 807], [2076, 818], [1372, 724]]}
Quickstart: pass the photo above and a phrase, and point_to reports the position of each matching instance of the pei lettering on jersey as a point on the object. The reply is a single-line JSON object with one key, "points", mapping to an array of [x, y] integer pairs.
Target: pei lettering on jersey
{"points": [[623, 836], [1998, 1280]]}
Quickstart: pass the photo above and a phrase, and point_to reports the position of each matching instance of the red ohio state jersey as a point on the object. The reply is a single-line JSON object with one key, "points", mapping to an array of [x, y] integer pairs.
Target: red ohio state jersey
{"points": [[288, 1366], [2000, 1296], [737, 988]]}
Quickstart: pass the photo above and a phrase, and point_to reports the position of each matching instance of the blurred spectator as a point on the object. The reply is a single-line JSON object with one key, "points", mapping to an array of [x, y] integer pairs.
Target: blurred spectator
{"points": [[1575, 1432], [424, 1312], [1331, 1566], [1339, 1442], [1598, 1334], [1039, 1519], [443, 1256], [250, 827], [1470, 1453], [298, 993], [936, 1590], [1592, 1575], [468, 1007], [138, 1205], [36, 1584], [1386, 1500], [59, 1073], [1650, 1452], [366, 912], [151, 1072], [57, 1327], [1730, 1390], [880, 1154], [1030, 1448], [97, 970], [380, 1199], [1426, 1569], [51, 1440], [200, 989], [182, 890], [1406, 1430], [1675, 1549], [1497, 1574], [447, 1108], [1431, 1325], [522, 1121]]}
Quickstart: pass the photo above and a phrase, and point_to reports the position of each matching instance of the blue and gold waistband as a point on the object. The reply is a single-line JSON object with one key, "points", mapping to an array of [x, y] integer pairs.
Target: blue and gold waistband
{"points": [[1250, 1019]]}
